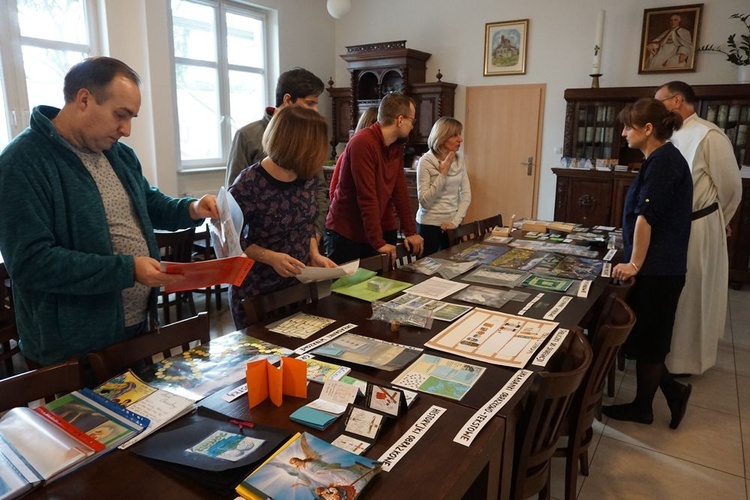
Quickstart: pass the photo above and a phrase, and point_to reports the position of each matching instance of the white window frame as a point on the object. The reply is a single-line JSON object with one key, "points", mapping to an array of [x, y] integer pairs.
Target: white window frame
{"points": [[222, 7], [11, 57]]}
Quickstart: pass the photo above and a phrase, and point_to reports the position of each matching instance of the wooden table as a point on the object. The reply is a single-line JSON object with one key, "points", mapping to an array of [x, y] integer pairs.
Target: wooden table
{"points": [[435, 468]]}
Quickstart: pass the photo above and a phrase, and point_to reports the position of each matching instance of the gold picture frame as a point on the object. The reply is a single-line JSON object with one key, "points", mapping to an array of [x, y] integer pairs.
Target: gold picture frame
{"points": [[505, 45], [670, 38]]}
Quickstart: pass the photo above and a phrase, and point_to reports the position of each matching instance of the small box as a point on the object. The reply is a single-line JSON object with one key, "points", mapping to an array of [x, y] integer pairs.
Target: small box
{"points": [[501, 231], [537, 226]]}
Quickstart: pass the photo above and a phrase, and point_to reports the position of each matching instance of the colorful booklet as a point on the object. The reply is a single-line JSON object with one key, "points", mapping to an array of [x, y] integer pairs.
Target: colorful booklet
{"points": [[160, 406], [43, 444], [368, 351], [307, 467]]}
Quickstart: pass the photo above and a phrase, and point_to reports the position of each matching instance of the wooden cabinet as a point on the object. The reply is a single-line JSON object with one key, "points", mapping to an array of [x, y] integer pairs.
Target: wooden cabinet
{"points": [[378, 69], [590, 197], [592, 129]]}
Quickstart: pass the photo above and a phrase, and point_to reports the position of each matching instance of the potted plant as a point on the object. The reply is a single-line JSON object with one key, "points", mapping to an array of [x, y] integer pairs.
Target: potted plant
{"points": [[737, 52]]}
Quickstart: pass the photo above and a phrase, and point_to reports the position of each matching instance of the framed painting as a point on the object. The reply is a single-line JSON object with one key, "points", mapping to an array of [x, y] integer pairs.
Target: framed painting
{"points": [[505, 48], [669, 39]]}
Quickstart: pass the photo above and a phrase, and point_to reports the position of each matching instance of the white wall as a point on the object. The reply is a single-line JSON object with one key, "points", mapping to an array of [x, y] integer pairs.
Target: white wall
{"points": [[561, 36], [137, 32]]}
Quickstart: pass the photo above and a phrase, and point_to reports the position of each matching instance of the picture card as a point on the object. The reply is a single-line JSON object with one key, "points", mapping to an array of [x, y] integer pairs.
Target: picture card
{"points": [[364, 422], [226, 446], [382, 398], [352, 444]]}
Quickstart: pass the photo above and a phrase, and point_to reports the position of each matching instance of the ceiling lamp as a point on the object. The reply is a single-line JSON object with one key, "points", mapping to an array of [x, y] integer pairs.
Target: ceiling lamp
{"points": [[338, 8]]}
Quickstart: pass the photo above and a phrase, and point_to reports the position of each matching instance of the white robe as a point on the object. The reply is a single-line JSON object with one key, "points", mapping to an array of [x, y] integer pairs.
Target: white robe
{"points": [[701, 312]]}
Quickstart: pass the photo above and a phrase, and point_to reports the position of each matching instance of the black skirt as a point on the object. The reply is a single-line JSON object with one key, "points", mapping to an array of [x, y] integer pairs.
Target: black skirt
{"points": [[654, 302]]}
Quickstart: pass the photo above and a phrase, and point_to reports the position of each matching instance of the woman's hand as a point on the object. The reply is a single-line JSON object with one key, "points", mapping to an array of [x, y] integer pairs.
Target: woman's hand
{"points": [[319, 260], [447, 225], [285, 265], [445, 165], [623, 272]]}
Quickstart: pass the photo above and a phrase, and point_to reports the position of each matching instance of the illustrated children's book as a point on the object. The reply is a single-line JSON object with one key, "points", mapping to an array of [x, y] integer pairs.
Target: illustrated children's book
{"points": [[307, 467], [481, 253]]}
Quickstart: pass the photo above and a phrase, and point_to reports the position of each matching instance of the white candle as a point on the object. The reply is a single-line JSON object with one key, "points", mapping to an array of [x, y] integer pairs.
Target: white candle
{"points": [[597, 65]]}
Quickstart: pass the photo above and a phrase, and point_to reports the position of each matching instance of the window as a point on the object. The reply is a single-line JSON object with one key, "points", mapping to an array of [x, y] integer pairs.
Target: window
{"points": [[221, 81], [41, 40]]}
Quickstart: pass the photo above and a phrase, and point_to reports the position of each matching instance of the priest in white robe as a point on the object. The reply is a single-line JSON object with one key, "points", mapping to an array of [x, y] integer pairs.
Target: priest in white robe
{"points": [[717, 190]]}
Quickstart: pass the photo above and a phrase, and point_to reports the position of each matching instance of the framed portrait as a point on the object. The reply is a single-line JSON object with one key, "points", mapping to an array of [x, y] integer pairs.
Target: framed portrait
{"points": [[505, 48], [669, 39]]}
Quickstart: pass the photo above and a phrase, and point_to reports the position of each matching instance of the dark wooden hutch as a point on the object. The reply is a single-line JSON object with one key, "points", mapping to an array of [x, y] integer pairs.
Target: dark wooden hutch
{"points": [[592, 130], [377, 69]]}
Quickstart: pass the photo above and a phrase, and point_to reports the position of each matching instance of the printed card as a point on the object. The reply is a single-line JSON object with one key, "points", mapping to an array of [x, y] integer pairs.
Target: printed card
{"points": [[226, 446], [364, 422]]}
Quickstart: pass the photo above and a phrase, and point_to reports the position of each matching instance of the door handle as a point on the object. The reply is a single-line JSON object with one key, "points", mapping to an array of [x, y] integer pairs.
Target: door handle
{"points": [[528, 164]]}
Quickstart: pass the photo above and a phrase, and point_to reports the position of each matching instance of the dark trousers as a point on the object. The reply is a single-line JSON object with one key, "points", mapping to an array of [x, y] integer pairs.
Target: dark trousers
{"points": [[434, 238], [341, 249]]}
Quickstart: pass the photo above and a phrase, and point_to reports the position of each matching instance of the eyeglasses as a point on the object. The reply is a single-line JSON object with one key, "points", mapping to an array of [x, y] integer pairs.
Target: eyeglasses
{"points": [[668, 98], [412, 119]]}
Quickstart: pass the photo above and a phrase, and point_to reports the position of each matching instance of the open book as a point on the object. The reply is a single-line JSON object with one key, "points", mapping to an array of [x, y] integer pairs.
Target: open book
{"points": [[43, 444], [158, 405]]}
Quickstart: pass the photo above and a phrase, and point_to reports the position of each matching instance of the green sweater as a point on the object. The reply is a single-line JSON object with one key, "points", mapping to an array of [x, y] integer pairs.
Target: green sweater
{"points": [[56, 244]]}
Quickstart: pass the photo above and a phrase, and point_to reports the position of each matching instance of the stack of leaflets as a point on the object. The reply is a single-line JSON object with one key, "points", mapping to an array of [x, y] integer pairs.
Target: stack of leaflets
{"points": [[43, 444], [445, 268], [160, 406], [497, 276], [307, 467]]}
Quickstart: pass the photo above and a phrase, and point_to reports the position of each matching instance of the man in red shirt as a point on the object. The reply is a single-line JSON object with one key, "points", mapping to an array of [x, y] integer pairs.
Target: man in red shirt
{"points": [[360, 220]]}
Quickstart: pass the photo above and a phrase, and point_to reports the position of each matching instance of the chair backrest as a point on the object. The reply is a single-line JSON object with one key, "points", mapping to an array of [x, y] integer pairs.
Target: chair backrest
{"points": [[117, 358], [464, 232], [543, 414], [176, 246], [617, 321], [8, 331], [403, 256], [379, 263], [486, 225], [44, 383], [279, 303], [621, 289]]}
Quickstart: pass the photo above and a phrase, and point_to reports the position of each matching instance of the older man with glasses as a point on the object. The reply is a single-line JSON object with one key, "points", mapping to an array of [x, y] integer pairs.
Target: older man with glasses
{"points": [[717, 189]]}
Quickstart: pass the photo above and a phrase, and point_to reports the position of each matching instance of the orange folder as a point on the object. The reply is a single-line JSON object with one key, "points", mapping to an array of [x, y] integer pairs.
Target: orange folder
{"points": [[203, 274], [264, 380]]}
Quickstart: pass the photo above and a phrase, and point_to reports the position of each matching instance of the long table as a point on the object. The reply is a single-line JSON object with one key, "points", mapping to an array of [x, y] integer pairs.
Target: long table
{"points": [[436, 467]]}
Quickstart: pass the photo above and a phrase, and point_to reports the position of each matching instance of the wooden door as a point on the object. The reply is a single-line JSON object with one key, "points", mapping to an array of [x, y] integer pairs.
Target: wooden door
{"points": [[503, 130]]}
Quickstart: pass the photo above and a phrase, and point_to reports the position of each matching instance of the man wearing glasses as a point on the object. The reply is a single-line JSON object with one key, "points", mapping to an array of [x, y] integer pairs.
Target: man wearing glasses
{"points": [[717, 189], [361, 220]]}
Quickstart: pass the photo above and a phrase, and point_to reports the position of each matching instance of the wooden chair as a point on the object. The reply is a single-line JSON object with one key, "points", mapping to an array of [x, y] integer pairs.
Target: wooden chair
{"points": [[618, 320], [176, 246], [464, 232], [8, 332], [486, 225], [403, 256], [594, 319], [280, 303], [379, 263], [117, 358], [542, 417], [44, 383]]}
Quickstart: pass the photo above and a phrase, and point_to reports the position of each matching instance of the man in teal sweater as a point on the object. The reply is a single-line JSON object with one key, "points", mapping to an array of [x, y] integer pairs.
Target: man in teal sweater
{"points": [[78, 217]]}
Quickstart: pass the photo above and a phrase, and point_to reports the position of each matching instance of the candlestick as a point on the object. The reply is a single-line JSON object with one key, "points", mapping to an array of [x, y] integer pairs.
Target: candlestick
{"points": [[597, 64]]}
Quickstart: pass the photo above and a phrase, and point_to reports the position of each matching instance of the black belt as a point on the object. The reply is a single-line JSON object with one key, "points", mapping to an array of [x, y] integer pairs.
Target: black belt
{"points": [[698, 214]]}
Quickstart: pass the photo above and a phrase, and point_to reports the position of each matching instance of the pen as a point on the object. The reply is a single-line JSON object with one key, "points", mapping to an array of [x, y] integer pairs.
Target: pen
{"points": [[242, 423]]}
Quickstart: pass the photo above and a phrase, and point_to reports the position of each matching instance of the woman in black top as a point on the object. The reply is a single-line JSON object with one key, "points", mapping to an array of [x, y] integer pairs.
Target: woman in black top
{"points": [[656, 229]]}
